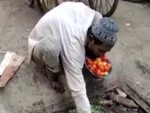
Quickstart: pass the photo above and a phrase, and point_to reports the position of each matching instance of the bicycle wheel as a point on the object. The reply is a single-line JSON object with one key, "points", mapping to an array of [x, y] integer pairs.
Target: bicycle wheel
{"points": [[30, 3], [46, 5], [105, 7]]}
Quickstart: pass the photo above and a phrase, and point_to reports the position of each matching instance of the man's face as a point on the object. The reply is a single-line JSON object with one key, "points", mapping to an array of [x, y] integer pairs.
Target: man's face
{"points": [[95, 50]]}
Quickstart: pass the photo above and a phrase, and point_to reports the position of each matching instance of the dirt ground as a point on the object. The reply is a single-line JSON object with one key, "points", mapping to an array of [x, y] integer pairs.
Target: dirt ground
{"points": [[29, 90]]}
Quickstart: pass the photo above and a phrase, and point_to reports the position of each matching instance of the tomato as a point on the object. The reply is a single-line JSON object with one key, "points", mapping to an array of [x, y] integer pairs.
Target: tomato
{"points": [[99, 64], [90, 67], [98, 59], [98, 72], [104, 58], [88, 61], [101, 73], [109, 65], [101, 68], [104, 63], [94, 66], [105, 73], [106, 68], [94, 62], [95, 70]]}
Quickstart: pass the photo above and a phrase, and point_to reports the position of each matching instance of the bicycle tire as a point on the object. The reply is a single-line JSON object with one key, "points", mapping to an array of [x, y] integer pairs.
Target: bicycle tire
{"points": [[137, 1], [30, 3], [110, 12], [39, 6], [43, 7]]}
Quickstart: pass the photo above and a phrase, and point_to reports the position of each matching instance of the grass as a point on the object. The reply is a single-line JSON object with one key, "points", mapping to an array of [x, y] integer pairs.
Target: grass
{"points": [[95, 109]]}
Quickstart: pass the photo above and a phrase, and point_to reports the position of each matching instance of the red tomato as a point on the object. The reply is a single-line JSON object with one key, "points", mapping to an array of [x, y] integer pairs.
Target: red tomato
{"points": [[95, 62], [104, 58], [99, 59], [94, 66], [88, 61], [95, 70], [104, 63], [109, 65], [102, 68], [98, 72], [105, 73], [101, 73], [99, 64], [106, 68], [91, 67]]}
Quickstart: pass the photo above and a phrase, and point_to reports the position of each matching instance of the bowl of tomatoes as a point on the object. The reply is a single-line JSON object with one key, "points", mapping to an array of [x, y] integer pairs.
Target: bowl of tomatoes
{"points": [[99, 68]]}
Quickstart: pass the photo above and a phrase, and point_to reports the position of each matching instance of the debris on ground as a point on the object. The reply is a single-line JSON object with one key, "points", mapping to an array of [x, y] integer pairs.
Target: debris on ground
{"points": [[105, 102], [137, 1], [9, 64], [121, 93], [95, 109], [128, 24], [123, 101], [114, 101]]}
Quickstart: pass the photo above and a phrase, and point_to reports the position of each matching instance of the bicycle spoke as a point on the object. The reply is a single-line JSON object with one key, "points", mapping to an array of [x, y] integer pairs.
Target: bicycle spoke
{"points": [[109, 3], [93, 3], [100, 5], [96, 4], [106, 6], [102, 8], [106, 9], [47, 3]]}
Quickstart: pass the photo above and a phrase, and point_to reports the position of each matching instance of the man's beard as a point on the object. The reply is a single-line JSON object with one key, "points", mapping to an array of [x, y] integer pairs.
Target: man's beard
{"points": [[90, 54]]}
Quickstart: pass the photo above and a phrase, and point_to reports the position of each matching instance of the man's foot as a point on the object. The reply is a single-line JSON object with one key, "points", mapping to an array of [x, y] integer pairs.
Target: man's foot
{"points": [[56, 85], [55, 81]]}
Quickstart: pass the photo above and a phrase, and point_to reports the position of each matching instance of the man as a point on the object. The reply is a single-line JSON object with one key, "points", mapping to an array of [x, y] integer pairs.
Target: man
{"points": [[63, 37]]}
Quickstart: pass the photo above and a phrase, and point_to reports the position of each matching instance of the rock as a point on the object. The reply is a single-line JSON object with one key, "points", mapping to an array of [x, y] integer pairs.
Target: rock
{"points": [[105, 102], [138, 83], [124, 101], [15, 10], [128, 24], [121, 93], [142, 66], [119, 110]]}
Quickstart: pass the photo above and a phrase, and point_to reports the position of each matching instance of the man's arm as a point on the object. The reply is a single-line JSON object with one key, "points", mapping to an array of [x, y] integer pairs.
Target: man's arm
{"points": [[97, 17], [73, 59], [77, 86]]}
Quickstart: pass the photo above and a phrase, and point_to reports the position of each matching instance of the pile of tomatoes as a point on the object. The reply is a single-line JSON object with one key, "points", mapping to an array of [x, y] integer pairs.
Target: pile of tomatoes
{"points": [[99, 67]]}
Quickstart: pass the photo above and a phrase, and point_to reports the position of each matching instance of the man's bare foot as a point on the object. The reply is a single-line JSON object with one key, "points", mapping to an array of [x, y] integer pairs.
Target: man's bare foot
{"points": [[55, 81], [57, 86]]}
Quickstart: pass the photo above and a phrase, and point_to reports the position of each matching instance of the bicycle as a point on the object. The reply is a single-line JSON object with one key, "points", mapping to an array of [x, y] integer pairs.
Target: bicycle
{"points": [[105, 7]]}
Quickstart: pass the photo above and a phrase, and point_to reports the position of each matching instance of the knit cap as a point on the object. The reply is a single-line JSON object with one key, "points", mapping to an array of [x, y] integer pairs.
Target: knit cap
{"points": [[106, 31]]}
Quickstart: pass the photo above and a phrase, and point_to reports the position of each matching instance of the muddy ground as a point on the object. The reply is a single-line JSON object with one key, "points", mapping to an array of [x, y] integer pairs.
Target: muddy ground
{"points": [[30, 91]]}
